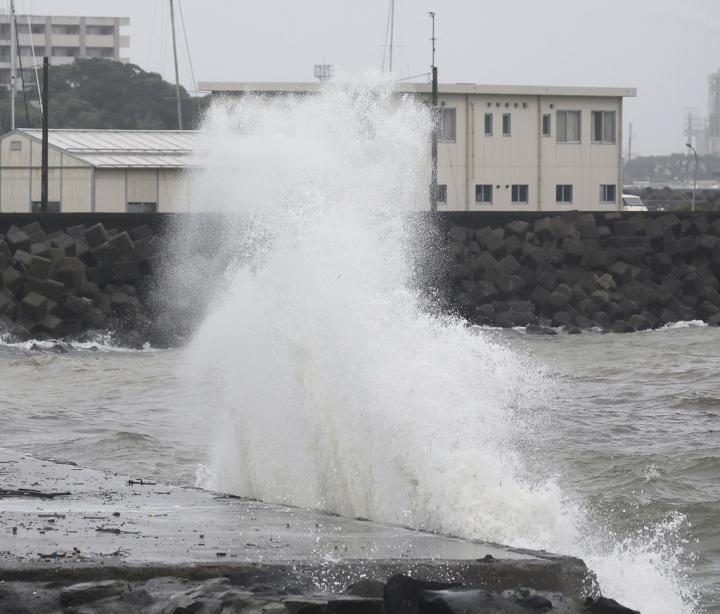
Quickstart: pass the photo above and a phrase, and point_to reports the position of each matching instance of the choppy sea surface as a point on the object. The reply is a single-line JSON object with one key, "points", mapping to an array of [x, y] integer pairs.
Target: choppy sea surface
{"points": [[632, 432]]}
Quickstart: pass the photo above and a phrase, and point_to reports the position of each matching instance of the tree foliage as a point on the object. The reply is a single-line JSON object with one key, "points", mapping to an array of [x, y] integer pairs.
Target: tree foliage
{"points": [[104, 94]]}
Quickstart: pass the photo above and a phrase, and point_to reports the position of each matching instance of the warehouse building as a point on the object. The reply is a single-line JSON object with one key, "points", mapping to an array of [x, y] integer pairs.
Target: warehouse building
{"points": [[514, 148], [61, 39], [96, 170]]}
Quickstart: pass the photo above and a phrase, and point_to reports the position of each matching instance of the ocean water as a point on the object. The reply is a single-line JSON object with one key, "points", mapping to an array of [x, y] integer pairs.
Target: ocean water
{"points": [[320, 375], [629, 432]]}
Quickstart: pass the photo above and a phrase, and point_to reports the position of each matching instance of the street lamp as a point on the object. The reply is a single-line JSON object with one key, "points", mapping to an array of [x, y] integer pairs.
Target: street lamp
{"points": [[692, 208]]}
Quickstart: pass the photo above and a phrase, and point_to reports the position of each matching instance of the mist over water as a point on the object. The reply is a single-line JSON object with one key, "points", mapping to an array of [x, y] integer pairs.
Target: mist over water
{"points": [[335, 384]]}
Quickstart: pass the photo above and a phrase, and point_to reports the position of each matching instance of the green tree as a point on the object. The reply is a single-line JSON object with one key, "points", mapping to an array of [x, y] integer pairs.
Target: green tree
{"points": [[104, 94]]}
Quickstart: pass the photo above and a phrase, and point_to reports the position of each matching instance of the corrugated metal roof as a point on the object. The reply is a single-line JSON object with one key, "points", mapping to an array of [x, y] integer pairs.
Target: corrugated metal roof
{"points": [[123, 148]]}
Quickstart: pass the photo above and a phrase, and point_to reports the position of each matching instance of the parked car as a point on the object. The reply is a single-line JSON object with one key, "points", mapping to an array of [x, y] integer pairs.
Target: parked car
{"points": [[633, 203]]}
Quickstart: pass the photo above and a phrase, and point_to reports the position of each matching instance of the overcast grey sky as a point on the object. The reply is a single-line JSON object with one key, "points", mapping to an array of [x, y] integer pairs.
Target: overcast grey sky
{"points": [[664, 48]]}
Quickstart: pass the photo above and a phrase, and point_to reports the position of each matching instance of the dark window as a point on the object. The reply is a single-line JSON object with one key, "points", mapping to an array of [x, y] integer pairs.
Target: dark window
{"points": [[483, 193], [563, 193], [15, 145], [546, 125], [53, 206], [142, 207], [506, 124], [603, 126], [488, 124], [520, 193], [447, 125], [441, 194], [608, 193]]}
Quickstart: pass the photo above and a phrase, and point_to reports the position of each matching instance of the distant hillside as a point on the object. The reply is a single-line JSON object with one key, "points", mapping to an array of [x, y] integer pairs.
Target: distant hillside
{"points": [[97, 93], [675, 168]]}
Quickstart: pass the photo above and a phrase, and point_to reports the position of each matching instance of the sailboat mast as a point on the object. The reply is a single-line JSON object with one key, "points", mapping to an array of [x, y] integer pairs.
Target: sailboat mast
{"points": [[177, 72], [13, 52], [392, 32]]}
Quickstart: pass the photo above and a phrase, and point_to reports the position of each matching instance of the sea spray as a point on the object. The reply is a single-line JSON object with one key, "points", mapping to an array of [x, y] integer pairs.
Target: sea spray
{"points": [[335, 386]]}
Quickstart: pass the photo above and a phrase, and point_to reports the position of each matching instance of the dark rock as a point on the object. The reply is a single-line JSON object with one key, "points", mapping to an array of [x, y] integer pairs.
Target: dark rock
{"points": [[465, 601], [34, 305], [96, 235], [603, 605], [402, 594], [536, 329], [13, 280], [366, 588], [87, 592], [17, 239]]}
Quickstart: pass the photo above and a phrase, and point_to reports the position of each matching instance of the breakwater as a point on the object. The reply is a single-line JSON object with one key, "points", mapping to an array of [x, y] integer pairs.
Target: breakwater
{"points": [[615, 271], [62, 275]]}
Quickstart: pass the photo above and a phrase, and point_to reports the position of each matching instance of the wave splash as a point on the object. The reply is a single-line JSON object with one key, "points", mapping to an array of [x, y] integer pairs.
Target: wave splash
{"points": [[337, 387]]}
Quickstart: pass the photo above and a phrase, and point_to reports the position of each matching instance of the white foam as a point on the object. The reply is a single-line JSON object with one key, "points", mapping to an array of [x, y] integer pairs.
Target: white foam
{"points": [[335, 387]]}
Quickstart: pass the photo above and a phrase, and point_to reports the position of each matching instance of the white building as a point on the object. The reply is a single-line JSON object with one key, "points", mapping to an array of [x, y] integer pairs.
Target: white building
{"points": [[96, 170], [61, 39], [520, 148]]}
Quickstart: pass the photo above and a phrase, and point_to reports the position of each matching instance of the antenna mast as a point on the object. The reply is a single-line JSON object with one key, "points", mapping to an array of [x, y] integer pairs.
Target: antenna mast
{"points": [[177, 73], [435, 124], [13, 52]]}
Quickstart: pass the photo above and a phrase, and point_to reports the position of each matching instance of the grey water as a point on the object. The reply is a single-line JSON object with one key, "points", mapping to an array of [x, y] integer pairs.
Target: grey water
{"points": [[630, 431]]}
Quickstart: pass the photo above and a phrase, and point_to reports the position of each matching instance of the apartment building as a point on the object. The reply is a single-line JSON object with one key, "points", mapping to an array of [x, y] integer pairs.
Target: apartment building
{"points": [[61, 39], [514, 148]]}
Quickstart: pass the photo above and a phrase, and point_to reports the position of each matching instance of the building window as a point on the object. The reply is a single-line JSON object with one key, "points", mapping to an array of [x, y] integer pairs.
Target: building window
{"points": [[546, 125], [483, 194], [603, 126], [100, 52], [15, 145], [142, 207], [488, 124], [447, 125], [66, 30], [563, 194], [53, 206], [520, 193], [100, 30], [506, 124], [66, 52], [608, 195], [568, 126]]}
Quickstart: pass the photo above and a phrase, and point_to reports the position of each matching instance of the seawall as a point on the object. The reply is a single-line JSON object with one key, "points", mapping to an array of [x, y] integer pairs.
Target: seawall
{"points": [[64, 274], [616, 271]]}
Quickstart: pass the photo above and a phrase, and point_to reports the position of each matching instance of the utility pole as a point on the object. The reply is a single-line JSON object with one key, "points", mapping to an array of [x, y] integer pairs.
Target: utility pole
{"points": [[692, 207], [435, 124], [13, 52], [44, 179], [630, 144], [177, 73]]}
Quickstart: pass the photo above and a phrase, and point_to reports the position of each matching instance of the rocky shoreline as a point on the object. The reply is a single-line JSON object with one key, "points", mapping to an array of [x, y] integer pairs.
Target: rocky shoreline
{"points": [[612, 271], [83, 541]]}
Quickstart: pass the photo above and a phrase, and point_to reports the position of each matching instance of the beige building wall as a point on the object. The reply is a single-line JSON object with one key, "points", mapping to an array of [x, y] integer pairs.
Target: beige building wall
{"points": [[525, 156], [110, 191], [174, 190]]}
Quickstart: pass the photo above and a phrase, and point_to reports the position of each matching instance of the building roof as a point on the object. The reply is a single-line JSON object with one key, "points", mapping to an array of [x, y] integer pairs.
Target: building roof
{"points": [[424, 88], [122, 148]]}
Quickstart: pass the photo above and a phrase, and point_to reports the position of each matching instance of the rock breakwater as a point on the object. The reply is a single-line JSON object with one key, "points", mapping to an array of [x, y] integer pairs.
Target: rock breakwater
{"points": [[84, 277], [613, 271]]}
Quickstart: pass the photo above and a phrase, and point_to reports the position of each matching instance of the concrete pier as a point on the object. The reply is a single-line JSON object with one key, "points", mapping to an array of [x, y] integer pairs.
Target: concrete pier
{"points": [[67, 524]]}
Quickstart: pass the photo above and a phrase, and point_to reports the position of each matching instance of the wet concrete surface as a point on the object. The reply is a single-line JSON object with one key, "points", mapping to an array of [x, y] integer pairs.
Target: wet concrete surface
{"points": [[63, 523]]}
